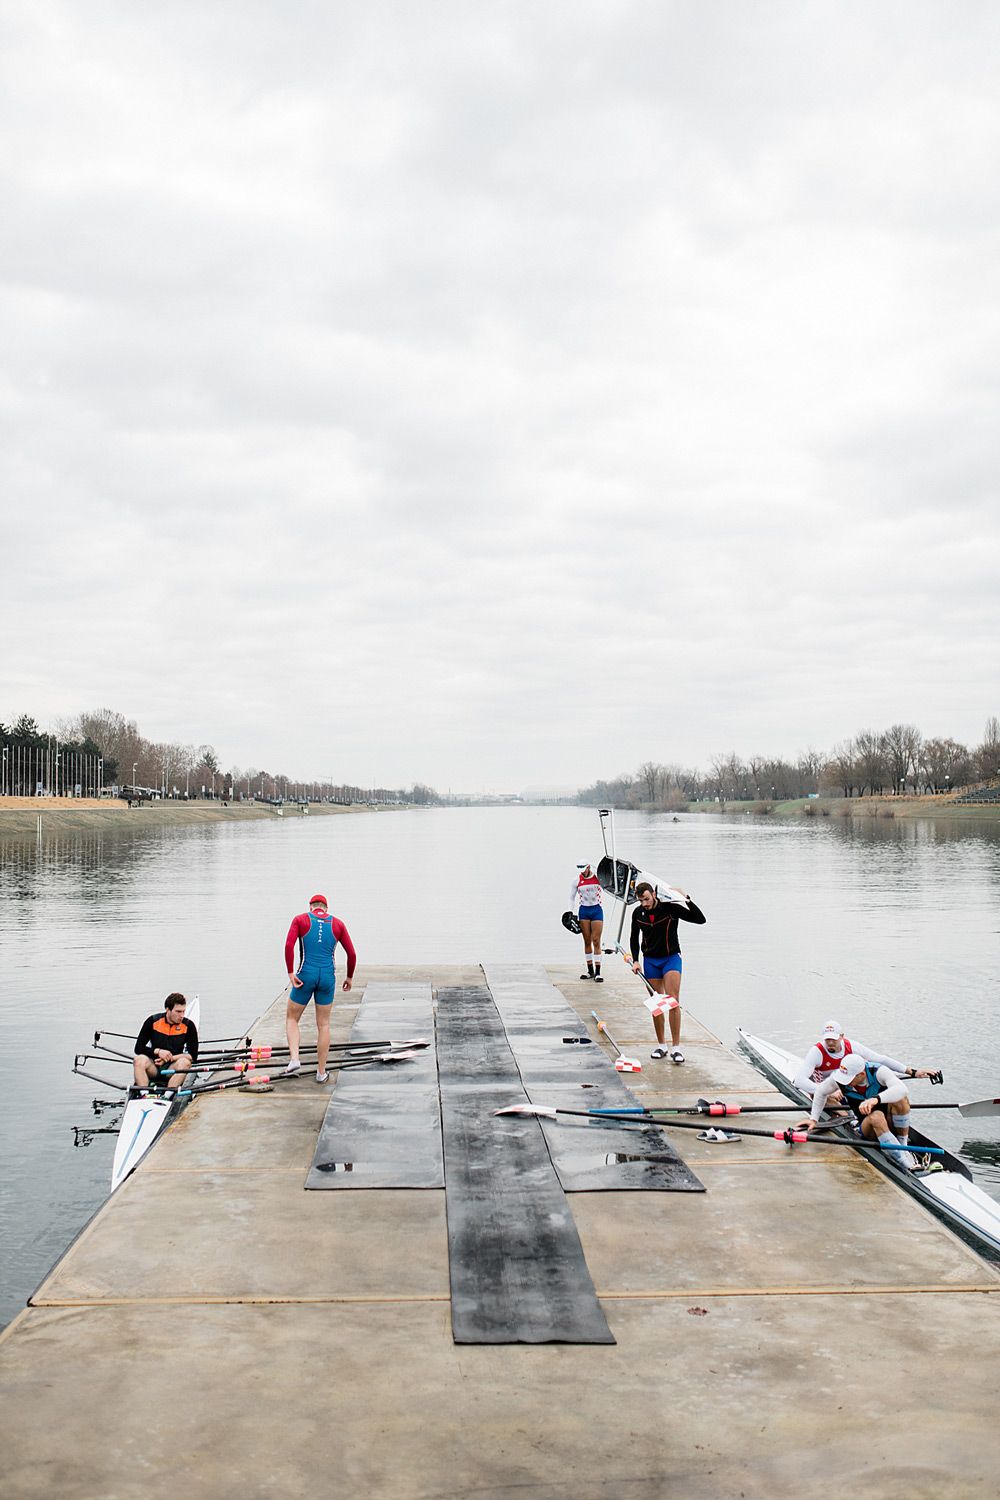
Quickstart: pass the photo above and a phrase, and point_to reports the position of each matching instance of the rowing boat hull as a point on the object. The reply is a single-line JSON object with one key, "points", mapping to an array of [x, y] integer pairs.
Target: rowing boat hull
{"points": [[951, 1194], [146, 1117]]}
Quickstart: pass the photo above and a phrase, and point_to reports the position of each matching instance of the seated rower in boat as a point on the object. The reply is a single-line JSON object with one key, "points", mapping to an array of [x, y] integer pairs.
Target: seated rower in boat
{"points": [[878, 1098], [825, 1057], [166, 1046]]}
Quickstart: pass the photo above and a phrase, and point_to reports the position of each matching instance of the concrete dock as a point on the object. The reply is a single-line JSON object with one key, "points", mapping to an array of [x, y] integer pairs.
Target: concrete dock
{"points": [[802, 1328]]}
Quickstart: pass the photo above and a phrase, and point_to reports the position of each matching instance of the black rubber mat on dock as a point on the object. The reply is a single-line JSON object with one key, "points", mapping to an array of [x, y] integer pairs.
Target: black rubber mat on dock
{"points": [[588, 1156], [382, 1128], [518, 1273]]}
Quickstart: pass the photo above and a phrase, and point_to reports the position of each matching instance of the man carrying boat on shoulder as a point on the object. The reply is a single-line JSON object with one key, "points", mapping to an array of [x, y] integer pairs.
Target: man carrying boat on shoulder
{"points": [[655, 922], [166, 1046], [826, 1056], [317, 934], [878, 1098]]}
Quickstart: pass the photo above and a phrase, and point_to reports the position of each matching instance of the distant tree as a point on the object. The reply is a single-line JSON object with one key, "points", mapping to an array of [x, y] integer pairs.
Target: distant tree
{"points": [[872, 764], [902, 743], [988, 753]]}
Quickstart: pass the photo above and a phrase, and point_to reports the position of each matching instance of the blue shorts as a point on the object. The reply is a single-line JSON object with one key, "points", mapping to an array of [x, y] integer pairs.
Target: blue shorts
{"points": [[656, 968], [591, 913], [317, 984]]}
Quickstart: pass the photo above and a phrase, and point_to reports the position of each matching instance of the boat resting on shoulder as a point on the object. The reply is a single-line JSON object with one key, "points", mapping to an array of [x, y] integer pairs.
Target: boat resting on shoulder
{"points": [[950, 1193]]}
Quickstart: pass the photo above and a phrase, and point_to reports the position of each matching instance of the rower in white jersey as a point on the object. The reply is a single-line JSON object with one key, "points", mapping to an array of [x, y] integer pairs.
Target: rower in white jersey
{"points": [[586, 891], [826, 1056]]}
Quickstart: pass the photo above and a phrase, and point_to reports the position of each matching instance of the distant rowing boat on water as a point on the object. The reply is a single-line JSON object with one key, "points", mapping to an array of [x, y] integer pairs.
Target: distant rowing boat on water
{"points": [[148, 1112], [950, 1193]]}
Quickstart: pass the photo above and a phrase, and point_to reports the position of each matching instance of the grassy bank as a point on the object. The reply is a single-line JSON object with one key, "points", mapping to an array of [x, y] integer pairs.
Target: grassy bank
{"points": [[19, 815], [850, 807]]}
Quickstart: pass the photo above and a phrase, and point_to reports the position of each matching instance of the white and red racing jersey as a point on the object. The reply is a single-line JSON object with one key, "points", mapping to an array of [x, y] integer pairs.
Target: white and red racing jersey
{"points": [[586, 890]]}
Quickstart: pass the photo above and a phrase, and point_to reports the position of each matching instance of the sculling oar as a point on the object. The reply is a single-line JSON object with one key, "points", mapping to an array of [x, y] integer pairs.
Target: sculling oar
{"points": [[251, 1076], [262, 1052], [129, 1036], [623, 1064], [790, 1137], [657, 1003], [977, 1108]]}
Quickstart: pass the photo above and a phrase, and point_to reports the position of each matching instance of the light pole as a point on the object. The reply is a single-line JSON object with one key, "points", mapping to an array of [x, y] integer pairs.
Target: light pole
{"points": [[5, 770], [135, 767], [100, 775]]}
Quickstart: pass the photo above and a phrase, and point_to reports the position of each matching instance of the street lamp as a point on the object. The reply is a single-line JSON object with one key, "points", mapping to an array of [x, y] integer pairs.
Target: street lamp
{"points": [[100, 774], [135, 767]]}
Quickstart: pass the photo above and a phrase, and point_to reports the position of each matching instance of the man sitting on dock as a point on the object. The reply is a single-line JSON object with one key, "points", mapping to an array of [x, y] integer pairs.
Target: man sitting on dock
{"points": [[655, 921], [317, 934], [879, 1100], [166, 1046]]}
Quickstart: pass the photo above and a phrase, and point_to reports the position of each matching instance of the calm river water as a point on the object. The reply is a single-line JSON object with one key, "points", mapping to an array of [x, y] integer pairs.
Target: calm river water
{"points": [[892, 927]]}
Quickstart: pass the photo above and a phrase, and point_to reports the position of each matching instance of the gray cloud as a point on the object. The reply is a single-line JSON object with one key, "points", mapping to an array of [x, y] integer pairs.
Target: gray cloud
{"points": [[504, 396]]}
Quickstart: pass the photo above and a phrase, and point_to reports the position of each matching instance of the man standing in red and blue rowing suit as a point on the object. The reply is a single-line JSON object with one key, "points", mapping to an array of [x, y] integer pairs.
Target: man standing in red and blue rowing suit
{"points": [[587, 891], [167, 1045], [317, 934]]}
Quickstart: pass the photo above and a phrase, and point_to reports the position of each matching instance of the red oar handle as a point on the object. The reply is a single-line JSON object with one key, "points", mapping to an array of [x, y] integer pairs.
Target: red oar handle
{"points": [[788, 1136]]}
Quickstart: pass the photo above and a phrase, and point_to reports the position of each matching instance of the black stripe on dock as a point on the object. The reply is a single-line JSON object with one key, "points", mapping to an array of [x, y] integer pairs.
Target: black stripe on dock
{"points": [[518, 1273]]}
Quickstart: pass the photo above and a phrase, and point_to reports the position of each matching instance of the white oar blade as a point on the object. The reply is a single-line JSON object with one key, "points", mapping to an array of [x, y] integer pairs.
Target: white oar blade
{"points": [[541, 1111], [394, 1057], [980, 1108]]}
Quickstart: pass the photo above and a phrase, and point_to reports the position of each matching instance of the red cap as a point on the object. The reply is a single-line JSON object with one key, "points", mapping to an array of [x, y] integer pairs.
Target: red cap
{"points": [[318, 901]]}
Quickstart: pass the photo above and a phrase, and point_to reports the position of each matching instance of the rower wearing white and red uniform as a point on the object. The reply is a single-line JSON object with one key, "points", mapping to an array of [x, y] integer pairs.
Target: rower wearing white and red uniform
{"points": [[826, 1056], [587, 891]]}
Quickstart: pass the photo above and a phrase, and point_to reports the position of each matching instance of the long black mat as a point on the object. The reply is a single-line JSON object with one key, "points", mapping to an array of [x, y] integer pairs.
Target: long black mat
{"points": [[518, 1273], [588, 1156], [382, 1128]]}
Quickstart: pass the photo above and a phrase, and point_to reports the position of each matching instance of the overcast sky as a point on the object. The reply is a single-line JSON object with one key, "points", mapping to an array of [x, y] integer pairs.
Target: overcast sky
{"points": [[500, 395]]}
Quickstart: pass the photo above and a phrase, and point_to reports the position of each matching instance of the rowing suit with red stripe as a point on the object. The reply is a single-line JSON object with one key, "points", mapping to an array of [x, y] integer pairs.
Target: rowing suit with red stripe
{"points": [[317, 935], [828, 1064], [158, 1033], [586, 890]]}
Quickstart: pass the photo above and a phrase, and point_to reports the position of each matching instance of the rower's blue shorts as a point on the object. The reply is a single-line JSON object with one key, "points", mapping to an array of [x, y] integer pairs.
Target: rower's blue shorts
{"points": [[656, 968], [591, 913], [317, 984]]}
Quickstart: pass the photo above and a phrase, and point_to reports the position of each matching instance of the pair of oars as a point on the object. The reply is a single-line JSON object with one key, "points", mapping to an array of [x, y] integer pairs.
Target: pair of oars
{"points": [[631, 1117]]}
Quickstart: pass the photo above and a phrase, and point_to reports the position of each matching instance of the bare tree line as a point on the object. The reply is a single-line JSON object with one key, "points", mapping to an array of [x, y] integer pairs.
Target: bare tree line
{"points": [[170, 769], [873, 762]]}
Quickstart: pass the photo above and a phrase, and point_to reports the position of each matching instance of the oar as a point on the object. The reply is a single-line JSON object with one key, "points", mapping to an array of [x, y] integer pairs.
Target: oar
{"points": [[623, 1064], [251, 1076], [657, 1003], [129, 1036], [262, 1052], [790, 1137], [978, 1108]]}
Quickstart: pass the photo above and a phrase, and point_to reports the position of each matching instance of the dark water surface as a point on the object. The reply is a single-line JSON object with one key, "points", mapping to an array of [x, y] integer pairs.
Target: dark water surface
{"points": [[891, 927]]}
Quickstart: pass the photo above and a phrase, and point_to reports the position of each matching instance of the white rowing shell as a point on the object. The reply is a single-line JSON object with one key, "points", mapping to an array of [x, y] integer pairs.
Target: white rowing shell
{"points": [[144, 1118]]}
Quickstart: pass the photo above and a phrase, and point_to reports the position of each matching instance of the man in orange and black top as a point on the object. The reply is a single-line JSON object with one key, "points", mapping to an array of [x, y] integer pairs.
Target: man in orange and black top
{"points": [[167, 1043]]}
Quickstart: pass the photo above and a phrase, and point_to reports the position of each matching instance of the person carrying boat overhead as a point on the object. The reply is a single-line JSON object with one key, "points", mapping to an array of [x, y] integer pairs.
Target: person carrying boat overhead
{"points": [[587, 891], [878, 1098], [166, 1046], [317, 934], [826, 1056], [654, 922]]}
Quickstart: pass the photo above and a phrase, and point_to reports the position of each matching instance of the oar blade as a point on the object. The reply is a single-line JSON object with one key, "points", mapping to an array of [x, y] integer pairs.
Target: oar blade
{"points": [[540, 1111], [979, 1109]]}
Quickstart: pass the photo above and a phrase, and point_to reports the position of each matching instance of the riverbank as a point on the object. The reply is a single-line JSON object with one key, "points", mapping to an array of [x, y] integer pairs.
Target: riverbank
{"points": [[19, 816], [849, 807]]}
